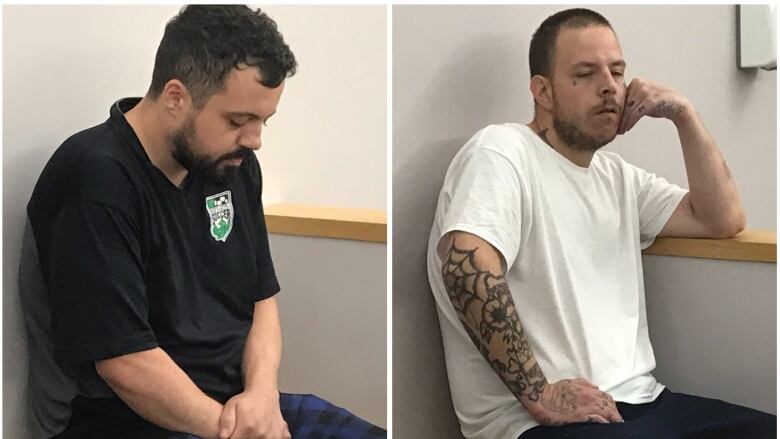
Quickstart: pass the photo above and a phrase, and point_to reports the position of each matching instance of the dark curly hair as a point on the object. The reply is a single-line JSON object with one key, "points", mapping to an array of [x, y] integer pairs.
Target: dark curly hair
{"points": [[203, 43], [541, 55]]}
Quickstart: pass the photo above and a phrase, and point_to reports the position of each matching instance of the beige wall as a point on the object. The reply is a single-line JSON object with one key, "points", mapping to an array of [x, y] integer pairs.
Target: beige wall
{"points": [[457, 69], [63, 66]]}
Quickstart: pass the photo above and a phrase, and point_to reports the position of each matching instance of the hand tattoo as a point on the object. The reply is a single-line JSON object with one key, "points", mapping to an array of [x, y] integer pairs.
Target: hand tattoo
{"points": [[484, 305], [668, 109], [563, 398]]}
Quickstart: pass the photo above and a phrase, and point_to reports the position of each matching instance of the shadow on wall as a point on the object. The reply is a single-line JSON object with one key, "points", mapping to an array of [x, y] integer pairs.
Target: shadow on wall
{"points": [[422, 406], [18, 183], [474, 77], [743, 87]]}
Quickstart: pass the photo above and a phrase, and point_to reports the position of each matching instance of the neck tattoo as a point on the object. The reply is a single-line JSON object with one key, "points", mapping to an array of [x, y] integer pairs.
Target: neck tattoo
{"points": [[543, 135]]}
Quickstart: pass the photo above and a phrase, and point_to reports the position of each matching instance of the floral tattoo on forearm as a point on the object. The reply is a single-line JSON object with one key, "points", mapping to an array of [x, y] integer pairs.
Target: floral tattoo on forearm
{"points": [[484, 305]]}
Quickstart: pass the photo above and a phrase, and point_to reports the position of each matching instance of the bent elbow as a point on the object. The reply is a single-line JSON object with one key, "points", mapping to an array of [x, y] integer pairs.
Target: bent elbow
{"points": [[731, 226], [741, 224]]}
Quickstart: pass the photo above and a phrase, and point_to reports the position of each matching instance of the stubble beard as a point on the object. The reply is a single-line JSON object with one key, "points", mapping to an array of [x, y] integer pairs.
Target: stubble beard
{"points": [[570, 132]]}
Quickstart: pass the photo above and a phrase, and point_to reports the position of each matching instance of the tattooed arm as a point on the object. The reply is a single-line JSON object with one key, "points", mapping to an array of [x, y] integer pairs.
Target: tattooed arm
{"points": [[473, 275], [712, 208]]}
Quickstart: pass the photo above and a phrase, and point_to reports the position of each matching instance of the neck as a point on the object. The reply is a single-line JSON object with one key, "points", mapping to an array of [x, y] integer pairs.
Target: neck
{"points": [[145, 119], [543, 127]]}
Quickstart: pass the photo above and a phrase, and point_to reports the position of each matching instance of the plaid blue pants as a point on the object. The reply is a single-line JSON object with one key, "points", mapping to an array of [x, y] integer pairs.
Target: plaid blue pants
{"points": [[311, 417], [307, 416], [671, 416]]}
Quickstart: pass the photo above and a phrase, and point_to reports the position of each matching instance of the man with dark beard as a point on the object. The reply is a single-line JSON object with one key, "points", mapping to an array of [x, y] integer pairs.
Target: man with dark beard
{"points": [[150, 233], [534, 257]]}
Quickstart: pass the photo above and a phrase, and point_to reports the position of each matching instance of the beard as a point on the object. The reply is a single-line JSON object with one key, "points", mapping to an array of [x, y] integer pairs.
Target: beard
{"points": [[571, 132], [186, 147]]}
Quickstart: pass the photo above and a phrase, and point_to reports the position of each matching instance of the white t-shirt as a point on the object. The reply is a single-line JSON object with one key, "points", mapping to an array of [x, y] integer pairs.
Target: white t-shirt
{"points": [[572, 239]]}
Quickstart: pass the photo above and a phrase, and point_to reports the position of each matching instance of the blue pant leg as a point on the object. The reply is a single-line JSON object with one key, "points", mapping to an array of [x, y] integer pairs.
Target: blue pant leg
{"points": [[311, 417]]}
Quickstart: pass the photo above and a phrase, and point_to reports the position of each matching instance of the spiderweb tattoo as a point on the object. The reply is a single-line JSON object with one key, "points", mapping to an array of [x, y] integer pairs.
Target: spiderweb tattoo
{"points": [[485, 307]]}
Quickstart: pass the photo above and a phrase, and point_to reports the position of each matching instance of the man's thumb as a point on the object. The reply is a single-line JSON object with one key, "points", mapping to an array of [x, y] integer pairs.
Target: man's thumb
{"points": [[227, 422]]}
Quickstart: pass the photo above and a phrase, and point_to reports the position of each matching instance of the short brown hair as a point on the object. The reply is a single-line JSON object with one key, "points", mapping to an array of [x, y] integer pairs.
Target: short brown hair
{"points": [[541, 55]]}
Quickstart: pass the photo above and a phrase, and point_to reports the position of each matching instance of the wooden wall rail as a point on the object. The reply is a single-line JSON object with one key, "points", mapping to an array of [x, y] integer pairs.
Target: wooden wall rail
{"points": [[750, 245], [327, 222], [371, 225]]}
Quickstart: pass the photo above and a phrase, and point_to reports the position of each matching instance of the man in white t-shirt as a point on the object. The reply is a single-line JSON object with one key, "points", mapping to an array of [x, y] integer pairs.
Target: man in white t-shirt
{"points": [[535, 263]]}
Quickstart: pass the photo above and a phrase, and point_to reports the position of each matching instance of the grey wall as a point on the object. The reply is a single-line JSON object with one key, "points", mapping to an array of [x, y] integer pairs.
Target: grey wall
{"points": [[333, 307], [457, 69], [63, 66], [713, 328]]}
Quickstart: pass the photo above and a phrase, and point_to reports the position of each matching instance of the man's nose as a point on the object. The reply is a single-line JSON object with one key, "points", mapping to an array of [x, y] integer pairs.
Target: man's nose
{"points": [[609, 86], [251, 139]]}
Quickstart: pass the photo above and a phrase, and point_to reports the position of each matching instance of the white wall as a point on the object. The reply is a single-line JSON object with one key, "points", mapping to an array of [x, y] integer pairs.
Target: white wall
{"points": [[457, 69], [63, 66], [329, 143]]}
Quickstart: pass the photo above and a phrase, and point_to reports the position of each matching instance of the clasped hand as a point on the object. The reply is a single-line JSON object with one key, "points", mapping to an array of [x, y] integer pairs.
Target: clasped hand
{"points": [[570, 401], [253, 415]]}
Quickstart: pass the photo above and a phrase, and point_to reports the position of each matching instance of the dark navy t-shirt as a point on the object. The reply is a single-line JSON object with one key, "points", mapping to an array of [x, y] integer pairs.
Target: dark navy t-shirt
{"points": [[132, 262]]}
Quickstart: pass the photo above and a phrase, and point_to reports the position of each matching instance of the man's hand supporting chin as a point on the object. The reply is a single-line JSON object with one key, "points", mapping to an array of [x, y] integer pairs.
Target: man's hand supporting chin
{"points": [[712, 209]]}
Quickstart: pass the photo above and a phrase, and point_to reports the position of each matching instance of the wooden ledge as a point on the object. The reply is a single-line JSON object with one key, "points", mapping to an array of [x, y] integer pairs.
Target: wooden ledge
{"points": [[750, 245], [327, 222]]}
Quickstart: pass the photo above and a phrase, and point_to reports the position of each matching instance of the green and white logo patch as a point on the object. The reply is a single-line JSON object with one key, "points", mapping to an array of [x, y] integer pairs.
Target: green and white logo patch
{"points": [[220, 208]]}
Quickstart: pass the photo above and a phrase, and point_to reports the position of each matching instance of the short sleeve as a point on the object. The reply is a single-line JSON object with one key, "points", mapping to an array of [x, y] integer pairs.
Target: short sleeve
{"points": [[267, 283], [96, 283], [656, 201], [483, 196]]}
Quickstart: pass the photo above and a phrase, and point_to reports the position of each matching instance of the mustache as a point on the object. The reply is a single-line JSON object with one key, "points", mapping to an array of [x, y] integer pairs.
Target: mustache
{"points": [[611, 102], [242, 153]]}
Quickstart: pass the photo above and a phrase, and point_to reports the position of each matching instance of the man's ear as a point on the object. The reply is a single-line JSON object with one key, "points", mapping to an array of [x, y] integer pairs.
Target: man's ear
{"points": [[541, 89], [176, 98]]}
